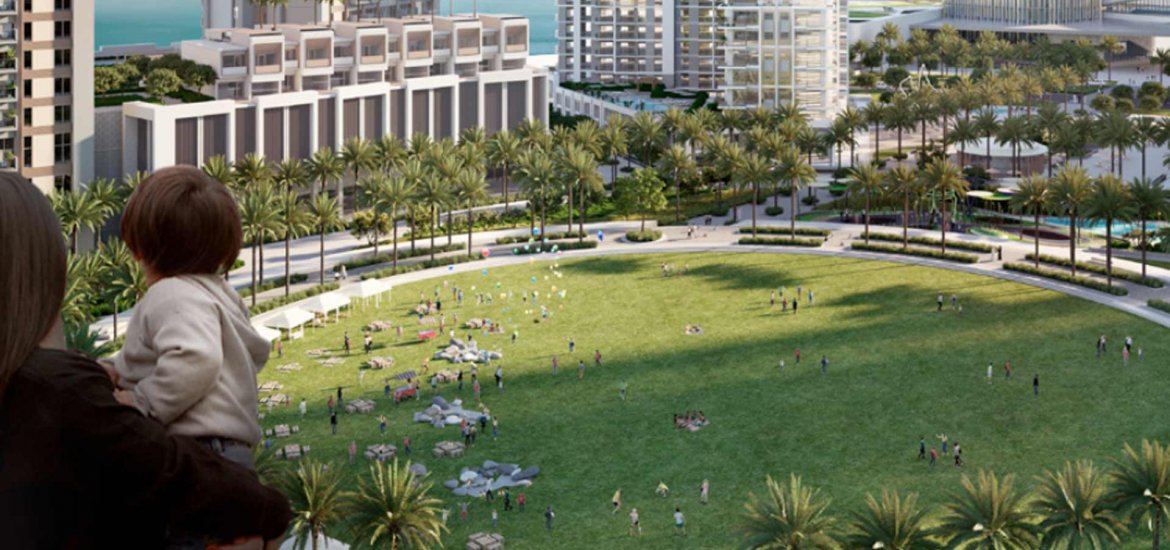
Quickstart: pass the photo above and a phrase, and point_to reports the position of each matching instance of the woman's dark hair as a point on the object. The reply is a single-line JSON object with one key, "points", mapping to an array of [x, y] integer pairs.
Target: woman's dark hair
{"points": [[180, 221], [32, 281]]}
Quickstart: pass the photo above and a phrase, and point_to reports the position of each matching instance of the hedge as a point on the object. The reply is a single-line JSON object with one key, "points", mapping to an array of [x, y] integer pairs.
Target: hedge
{"points": [[773, 210], [402, 255], [273, 283], [936, 254], [427, 264], [1099, 269], [549, 236], [567, 245], [294, 297], [774, 230], [643, 236], [1159, 304], [931, 241], [237, 264], [1067, 278], [781, 241]]}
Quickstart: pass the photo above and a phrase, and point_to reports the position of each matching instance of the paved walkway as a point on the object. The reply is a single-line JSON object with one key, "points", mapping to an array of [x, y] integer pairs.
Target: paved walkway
{"points": [[717, 238]]}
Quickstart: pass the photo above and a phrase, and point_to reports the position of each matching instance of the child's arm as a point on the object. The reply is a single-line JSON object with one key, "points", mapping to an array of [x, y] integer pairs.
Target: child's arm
{"points": [[188, 340]]}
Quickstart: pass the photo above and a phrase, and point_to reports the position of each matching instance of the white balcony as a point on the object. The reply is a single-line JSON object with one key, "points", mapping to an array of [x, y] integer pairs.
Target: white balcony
{"points": [[228, 72]]}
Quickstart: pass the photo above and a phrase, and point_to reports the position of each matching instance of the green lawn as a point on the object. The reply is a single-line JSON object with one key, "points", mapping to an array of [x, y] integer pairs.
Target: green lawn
{"points": [[898, 370]]}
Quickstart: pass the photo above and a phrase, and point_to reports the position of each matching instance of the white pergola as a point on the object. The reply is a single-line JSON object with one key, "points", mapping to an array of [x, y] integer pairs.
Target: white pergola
{"points": [[371, 288], [269, 334], [291, 320], [327, 303]]}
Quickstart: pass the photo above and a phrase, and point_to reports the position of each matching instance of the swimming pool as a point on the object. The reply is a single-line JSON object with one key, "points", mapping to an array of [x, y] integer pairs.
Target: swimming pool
{"points": [[1119, 228]]}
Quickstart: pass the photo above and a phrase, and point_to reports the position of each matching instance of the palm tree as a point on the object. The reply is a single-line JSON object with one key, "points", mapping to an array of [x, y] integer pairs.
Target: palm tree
{"points": [[875, 115], [614, 142], [1073, 510], [854, 119], [987, 124], [324, 167], [82, 281], [839, 135], [732, 120], [104, 193], [260, 217], [1015, 131], [389, 153], [395, 195], [728, 158], [1111, 46], [392, 508], [866, 180], [646, 135], [676, 165], [672, 122], [537, 173], [893, 523], [357, 155], [1109, 202], [291, 176], [251, 171], [317, 501], [589, 182], [325, 216], [502, 151], [470, 187], [1150, 202], [793, 170], [435, 193], [1161, 58], [990, 515], [1146, 131], [1139, 487], [924, 110], [372, 189], [946, 179], [76, 210], [447, 168], [219, 169], [789, 517], [1070, 191], [963, 132], [120, 277], [905, 182], [755, 170], [1033, 196], [900, 117], [1115, 130]]}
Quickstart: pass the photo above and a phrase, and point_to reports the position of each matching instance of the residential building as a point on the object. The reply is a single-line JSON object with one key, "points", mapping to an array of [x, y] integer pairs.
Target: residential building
{"points": [[287, 92], [747, 52], [46, 91], [219, 14]]}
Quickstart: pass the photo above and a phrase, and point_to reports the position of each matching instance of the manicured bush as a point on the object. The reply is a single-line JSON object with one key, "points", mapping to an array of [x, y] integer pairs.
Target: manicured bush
{"points": [[294, 297], [776, 230], [931, 241], [810, 200], [774, 210], [781, 241], [1066, 277], [1099, 269], [403, 253], [549, 236], [273, 283], [237, 264], [427, 264], [936, 254], [567, 245], [1162, 305], [643, 236]]}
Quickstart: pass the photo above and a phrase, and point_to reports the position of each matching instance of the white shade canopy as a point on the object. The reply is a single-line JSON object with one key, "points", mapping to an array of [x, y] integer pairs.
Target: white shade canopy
{"points": [[325, 303], [323, 543], [366, 289], [289, 319], [269, 334]]}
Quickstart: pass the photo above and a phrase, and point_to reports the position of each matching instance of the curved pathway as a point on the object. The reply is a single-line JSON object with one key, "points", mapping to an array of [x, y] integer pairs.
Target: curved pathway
{"points": [[724, 238]]}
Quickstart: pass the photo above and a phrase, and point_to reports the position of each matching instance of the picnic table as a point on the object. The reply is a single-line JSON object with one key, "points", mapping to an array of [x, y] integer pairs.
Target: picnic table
{"points": [[426, 335], [405, 392]]}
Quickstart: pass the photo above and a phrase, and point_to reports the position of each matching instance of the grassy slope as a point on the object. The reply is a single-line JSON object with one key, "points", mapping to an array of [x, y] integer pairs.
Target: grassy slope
{"points": [[898, 369]]}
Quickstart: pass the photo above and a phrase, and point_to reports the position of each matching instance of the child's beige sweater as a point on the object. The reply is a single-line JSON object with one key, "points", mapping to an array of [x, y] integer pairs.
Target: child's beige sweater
{"points": [[191, 358]]}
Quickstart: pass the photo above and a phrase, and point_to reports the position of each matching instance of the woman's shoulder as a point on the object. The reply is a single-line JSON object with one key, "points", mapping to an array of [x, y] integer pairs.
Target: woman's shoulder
{"points": [[57, 371]]}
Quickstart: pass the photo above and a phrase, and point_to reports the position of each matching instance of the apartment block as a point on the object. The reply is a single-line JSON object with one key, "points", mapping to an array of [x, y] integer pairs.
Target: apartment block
{"points": [[748, 52], [46, 91], [1024, 12], [286, 93], [244, 13]]}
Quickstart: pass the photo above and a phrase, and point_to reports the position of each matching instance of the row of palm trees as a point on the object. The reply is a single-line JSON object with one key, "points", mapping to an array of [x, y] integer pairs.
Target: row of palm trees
{"points": [[1077, 506]]}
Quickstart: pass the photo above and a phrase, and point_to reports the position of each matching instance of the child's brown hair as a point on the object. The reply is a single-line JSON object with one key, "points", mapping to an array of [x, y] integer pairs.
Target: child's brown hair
{"points": [[181, 221]]}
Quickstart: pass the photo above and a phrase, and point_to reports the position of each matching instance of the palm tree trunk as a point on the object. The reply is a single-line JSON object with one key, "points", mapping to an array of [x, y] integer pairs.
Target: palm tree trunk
{"points": [[569, 229], [434, 229], [1144, 245], [261, 263], [413, 233], [1157, 532], [989, 153], [394, 253], [254, 271], [899, 145], [470, 224], [581, 218], [755, 201], [114, 306], [1143, 148], [73, 242], [905, 222], [677, 198], [792, 215], [943, 223], [877, 141], [643, 222], [867, 217], [1072, 241], [505, 187], [543, 211], [1036, 235], [287, 275], [450, 226], [1109, 251]]}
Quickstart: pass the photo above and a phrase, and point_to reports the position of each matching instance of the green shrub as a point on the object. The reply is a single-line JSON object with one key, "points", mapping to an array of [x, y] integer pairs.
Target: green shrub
{"points": [[774, 210], [1099, 269], [936, 254], [810, 200], [566, 245], [643, 236], [1162, 305], [781, 241], [1065, 277], [237, 264], [427, 264], [273, 283], [403, 253], [294, 297], [549, 236], [776, 230], [931, 241]]}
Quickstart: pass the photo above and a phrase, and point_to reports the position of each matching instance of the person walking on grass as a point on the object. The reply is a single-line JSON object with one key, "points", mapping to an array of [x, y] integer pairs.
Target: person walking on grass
{"points": [[352, 450], [1125, 357], [406, 444], [304, 407], [679, 522], [772, 299], [580, 369], [597, 358], [333, 422], [475, 389], [810, 297], [955, 302], [933, 456], [783, 305], [794, 305], [989, 372], [520, 501], [555, 364], [549, 515], [944, 439], [1036, 385], [495, 519], [1128, 342], [622, 390], [703, 488], [495, 428], [824, 365], [346, 342], [921, 447], [463, 511], [382, 423], [940, 301], [797, 356], [958, 455], [1007, 370], [500, 377], [635, 525], [617, 500], [572, 345], [507, 500]]}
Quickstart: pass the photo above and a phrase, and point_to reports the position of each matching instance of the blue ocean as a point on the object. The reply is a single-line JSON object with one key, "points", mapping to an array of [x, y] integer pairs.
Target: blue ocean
{"points": [[166, 21]]}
